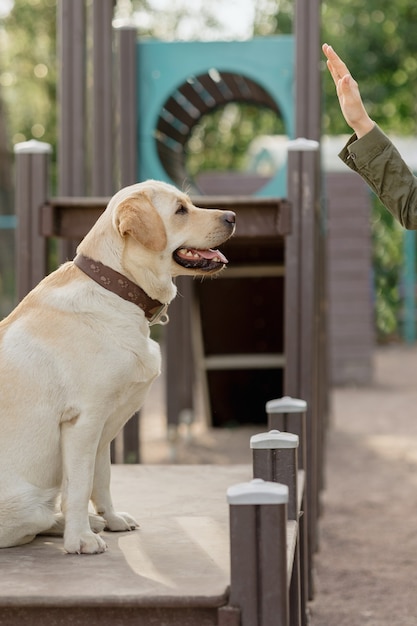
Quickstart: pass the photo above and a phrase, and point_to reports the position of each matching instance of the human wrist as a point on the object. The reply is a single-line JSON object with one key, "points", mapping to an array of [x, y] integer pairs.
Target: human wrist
{"points": [[363, 127]]}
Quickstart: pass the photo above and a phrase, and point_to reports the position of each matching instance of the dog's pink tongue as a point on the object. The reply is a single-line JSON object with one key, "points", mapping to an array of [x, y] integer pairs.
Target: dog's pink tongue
{"points": [[210, 254]]}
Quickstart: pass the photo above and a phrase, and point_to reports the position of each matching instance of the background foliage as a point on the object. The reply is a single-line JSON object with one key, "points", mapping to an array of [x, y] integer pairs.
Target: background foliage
{"points": [[377, 39], [378, 42]]}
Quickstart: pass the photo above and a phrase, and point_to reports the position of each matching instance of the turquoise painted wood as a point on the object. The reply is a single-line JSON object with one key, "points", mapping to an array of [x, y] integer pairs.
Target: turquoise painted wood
{"points": [[164, 66], [7, 222]]}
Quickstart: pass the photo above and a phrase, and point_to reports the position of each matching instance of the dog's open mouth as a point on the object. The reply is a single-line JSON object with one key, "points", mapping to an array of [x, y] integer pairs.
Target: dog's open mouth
{"points": [[205, 260]]}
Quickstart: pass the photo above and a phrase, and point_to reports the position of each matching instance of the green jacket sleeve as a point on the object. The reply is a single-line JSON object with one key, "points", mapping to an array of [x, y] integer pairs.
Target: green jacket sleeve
{"points": [[380, 164]]}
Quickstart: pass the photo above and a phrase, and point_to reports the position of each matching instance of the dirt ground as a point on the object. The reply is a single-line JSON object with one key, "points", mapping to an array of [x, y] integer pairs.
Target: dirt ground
{"points": [[366, 567]]}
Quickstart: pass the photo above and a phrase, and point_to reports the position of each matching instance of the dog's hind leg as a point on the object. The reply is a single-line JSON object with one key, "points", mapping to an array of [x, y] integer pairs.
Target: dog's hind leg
{"points": [[101, 497], [25, 513]]}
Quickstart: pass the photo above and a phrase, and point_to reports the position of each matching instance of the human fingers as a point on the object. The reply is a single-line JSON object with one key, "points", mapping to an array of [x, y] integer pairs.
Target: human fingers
{"points": [[333, 72], [340, 68]]}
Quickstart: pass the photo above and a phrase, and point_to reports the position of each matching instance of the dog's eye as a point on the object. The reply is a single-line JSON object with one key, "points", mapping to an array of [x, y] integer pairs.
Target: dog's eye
{"points": [[182, 210]]}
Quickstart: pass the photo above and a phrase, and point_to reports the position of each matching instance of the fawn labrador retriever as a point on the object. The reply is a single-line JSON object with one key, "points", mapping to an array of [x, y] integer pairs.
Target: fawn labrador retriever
{"points": [[76, 361]]}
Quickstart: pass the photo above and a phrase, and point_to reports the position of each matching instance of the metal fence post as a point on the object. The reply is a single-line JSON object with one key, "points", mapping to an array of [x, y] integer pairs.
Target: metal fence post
{"points": [[32, 187], [258, 546]]}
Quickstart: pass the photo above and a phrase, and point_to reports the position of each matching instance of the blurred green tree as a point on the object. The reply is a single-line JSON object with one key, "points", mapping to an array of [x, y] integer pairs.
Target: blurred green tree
{"points": [[379, 45], [378, 42], [28, 107], [28, 70]]}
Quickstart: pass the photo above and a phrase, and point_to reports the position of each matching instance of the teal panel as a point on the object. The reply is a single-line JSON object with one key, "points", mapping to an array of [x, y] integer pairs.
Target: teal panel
{"points": [[7, 222], [164, 66]]}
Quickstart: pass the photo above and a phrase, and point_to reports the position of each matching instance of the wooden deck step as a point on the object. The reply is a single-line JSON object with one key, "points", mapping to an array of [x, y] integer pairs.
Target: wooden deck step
{"points": [[174, 570]]}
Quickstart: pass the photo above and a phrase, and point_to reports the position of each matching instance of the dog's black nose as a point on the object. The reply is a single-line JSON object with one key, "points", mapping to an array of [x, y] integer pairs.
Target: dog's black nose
{"points": [[229, 217]]}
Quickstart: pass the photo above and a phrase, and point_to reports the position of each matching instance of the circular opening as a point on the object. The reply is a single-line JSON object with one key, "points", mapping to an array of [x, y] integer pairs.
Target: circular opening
{"points": [[221, 133], [230, 150]]}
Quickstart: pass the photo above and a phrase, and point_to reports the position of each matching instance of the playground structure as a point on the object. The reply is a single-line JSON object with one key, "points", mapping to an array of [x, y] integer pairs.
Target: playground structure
{"points": [[286, 234], [180, 82], [176, 571]]}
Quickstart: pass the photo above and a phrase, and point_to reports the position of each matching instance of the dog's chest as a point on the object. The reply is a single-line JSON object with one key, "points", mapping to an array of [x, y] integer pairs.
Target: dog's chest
{"points": [[132, 381]]}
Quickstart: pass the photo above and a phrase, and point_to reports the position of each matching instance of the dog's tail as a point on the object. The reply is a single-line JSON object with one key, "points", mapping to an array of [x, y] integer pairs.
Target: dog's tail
{"points": [[25, 512]]}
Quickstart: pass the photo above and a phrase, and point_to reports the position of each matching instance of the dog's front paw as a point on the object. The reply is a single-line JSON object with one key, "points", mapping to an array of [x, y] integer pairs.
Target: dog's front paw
{"points": [[119, 522], [86, 543]]}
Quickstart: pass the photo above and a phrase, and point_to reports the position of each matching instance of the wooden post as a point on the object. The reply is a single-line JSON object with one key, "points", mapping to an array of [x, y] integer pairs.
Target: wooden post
{"points": [[102, 165], [32, 190], [126, 37], [72, 160], [289, 414], [275, 459], [179, 363], [258, 545], [303, 323], [307, 69], [72, 96]]}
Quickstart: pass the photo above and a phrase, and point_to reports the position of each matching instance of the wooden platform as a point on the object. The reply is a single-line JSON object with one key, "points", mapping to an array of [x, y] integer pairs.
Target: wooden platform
{"points": [[174, 570]]}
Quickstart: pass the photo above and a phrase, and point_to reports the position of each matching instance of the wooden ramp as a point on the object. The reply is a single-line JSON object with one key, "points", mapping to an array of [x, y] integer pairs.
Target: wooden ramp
{"points": [[174, 570]]}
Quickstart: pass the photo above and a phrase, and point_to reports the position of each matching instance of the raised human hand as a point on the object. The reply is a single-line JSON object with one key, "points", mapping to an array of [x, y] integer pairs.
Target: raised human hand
{"points": [[347, 90]]}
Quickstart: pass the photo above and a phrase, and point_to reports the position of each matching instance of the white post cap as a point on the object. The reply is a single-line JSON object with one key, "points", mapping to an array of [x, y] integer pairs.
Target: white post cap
{"points": [[273, 440], [303, 144], [286, 405], [258, 491], [33, 146]]}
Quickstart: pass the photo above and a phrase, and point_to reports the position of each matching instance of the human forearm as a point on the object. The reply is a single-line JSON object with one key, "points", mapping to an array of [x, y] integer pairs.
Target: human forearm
{"points": [[379, 163]]}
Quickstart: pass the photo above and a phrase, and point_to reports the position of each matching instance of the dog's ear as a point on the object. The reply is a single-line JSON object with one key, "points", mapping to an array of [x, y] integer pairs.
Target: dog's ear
{"points": [[136, 216]]}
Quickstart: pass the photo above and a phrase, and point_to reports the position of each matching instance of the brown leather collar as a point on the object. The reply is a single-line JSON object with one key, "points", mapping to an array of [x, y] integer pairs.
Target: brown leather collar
{"points": [[113, 281]]}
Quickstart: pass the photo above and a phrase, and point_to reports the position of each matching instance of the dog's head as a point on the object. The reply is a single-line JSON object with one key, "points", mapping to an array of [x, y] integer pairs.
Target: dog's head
{"points": [[160, 222], [151, 232]]}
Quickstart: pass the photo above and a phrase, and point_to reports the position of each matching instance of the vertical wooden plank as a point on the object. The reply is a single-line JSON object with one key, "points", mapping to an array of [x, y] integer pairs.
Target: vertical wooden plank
{"points": [[308, 124], [180, 358], [309, 380], [72, 162], [292, 280], [39, 194], [275, 459], [32, 188], [102, 165], [127, 105], [307, 69], [258, 550], [244, 563], [103, 162], [72, 97], [274, 600], [131, 448], [274, 455], [291, 413], [23, 226]]}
